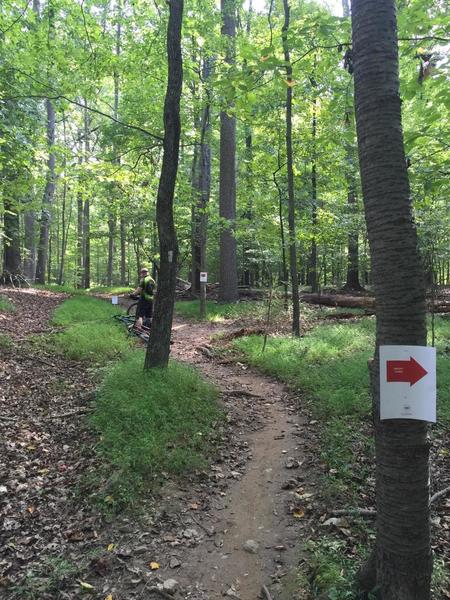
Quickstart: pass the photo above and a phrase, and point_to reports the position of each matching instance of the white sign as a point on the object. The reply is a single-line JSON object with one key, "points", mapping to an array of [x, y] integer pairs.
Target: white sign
{"points": [[115, 299], [408, 383], [203, 277]]}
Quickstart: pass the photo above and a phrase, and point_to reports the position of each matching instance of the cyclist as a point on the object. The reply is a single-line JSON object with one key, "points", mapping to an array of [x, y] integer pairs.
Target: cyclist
{"points": [[145, 291]]}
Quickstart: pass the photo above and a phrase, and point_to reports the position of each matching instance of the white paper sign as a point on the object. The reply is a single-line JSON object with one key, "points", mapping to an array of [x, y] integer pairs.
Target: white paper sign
{"points": [[203, 277], [408, 383], [115, 300]]}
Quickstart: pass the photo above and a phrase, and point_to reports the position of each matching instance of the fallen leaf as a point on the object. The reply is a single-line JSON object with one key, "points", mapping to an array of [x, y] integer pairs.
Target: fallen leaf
{"points": [[109, 597], [111, 547], [85, 586], [154, 566], [298, 514]]}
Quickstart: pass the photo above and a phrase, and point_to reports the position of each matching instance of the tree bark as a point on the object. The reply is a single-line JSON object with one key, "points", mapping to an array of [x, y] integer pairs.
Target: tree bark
{"points": [[11, 254], [86, 212], [29, 261], [352, 279], [202, 185], [290, 177], [404, 560], [49, 193], [159, 341], [313, 275], [228, 289]]}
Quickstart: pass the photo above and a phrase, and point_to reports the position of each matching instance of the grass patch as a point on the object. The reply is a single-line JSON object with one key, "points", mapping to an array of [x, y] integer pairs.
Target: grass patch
{"points": [[155, 422], [6, 342], [83, 309], [216, 313], [6, 305], [63, 288], [114, 290], [330, 363], [97, 342], [91, 333]]}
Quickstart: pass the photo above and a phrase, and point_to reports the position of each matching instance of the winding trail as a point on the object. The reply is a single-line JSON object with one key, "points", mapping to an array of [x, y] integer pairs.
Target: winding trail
{"points": [[255, 506]]}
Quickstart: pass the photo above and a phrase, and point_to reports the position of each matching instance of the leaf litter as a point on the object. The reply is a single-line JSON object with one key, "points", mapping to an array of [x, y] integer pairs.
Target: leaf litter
{"points": [[56, 543]]}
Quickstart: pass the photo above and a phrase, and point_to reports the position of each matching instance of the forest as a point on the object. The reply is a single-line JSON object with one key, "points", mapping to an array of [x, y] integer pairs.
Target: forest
{"points": [[82, 129], [281, 169]]}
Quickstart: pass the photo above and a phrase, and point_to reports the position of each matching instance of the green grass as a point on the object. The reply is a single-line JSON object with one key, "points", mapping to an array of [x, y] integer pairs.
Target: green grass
{"points": [[82, 309], [114, 290], [216, 313], [96, 342], [90, 332], [330, 364], [151, 423], [5, 341], [64, 288], [74, 291], [6, 305]]}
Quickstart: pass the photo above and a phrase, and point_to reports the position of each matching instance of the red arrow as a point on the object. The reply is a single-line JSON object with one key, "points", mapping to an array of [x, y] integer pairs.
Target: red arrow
{"points": [[406, 371]]}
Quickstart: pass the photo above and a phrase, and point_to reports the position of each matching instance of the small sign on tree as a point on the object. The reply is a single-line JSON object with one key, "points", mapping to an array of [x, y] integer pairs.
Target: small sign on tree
{"points": [[408, 383]]}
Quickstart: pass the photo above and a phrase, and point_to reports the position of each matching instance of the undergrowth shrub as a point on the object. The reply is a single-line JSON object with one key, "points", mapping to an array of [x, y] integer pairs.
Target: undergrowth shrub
{"points": [[6, 305]]}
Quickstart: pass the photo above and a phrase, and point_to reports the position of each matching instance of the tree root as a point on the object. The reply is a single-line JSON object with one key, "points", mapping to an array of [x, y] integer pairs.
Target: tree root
{"points": [[266, 592]]}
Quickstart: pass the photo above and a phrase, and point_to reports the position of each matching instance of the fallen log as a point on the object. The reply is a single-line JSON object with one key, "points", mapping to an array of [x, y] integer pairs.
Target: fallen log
{"points": [[364, 302], [340, 300]]}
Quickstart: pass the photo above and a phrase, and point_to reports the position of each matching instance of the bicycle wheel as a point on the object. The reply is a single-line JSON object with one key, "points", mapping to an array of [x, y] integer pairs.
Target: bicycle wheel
{"points": [[131, 310]]}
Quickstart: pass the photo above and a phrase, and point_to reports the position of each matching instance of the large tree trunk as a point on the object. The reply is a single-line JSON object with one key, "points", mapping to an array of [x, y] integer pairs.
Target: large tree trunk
{"points": [[86, 212], [404, 560], [80, 262], [290, 177], [11, 254], [228, 290], [202, 184], [49, 193], [313, 279], [352, 279], [159, 341]]}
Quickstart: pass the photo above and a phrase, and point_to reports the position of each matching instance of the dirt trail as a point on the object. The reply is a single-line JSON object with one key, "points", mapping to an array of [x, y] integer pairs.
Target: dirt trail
{"points": [[255, 507], [54, 540]]}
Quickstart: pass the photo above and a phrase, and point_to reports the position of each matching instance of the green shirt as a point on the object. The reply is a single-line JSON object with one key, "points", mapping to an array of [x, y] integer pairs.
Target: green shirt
{"points": [[147, 285]]}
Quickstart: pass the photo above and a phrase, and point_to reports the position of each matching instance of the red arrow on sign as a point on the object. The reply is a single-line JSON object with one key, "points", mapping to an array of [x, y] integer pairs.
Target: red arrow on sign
{"points": [[406, 371]]}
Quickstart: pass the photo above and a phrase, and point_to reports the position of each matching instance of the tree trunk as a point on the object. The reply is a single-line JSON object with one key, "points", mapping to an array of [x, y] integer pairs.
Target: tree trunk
{"points": [[111, 248], [290, 177], [80, 265], [195, 246], [352, 279], [123, 251], [49, 193], [29, 261], [228, 290], [404, 560], [313, 278], [202, 185], [159, 341], [11, 223], [285, 275], [86, 211]]}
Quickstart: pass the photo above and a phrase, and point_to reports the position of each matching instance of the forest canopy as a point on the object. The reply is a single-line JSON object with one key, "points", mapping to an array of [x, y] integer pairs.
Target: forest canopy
{"points": [[81, 103]]}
